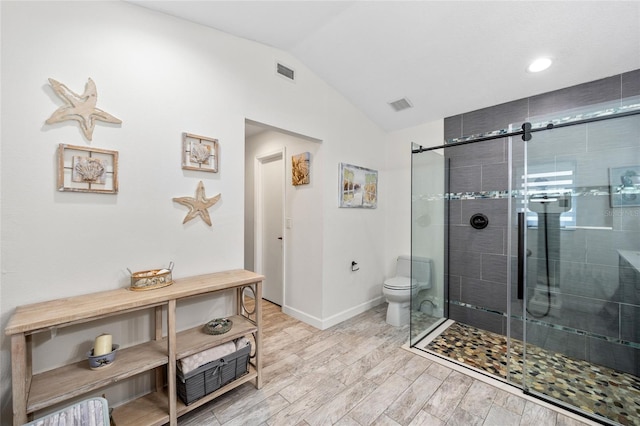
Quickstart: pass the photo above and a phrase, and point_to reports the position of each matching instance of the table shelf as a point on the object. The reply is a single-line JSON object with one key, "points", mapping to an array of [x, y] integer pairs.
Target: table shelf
{"points": [[57, 385], [34, 392]]}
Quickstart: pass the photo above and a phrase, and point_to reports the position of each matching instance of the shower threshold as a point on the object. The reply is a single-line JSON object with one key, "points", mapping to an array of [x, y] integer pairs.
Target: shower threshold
{"points": [[597, 391]]}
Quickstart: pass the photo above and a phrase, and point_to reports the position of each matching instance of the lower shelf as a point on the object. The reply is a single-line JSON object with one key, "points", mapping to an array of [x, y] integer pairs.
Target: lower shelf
{"points": [[152, 409], [61, 384]]}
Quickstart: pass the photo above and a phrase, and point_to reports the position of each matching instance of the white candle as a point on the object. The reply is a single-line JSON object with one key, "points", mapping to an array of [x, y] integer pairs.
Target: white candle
{"points": [[102, 345]]}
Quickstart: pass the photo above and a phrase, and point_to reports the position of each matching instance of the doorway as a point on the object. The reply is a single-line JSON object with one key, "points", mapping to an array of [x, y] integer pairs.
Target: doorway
{"points": [[300, 218], [269, 214]]}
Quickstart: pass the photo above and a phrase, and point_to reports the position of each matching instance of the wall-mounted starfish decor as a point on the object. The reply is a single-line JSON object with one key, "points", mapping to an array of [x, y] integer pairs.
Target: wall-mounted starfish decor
{"points": [[81, 108], [198, 205]]}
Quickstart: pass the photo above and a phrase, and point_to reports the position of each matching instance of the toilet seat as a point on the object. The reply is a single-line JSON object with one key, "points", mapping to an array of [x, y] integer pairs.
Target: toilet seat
{"points": [[399, 283]]}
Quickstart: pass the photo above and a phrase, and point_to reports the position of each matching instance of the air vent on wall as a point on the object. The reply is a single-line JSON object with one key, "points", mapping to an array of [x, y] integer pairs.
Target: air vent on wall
{"points": [[401, 104], [285, 71]]}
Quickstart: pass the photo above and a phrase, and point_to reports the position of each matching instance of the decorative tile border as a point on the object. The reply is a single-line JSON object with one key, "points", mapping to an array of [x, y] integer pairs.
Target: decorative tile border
{"points": [[567, 119]]}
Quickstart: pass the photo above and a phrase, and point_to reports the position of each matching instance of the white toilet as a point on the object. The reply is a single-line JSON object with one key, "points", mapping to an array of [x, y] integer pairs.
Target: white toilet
{"points": [[399, 289]]}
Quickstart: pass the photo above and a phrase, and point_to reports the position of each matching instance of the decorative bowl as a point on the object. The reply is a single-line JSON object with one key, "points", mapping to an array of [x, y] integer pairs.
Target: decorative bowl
{"points": [[218, 326], [98, 362]]}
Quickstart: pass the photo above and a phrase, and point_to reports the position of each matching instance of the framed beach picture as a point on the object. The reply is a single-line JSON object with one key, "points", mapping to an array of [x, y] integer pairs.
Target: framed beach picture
{"points": [[358, 187]]}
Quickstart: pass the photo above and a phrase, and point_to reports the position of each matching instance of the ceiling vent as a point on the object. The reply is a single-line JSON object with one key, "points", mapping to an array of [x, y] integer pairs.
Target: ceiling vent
{"points": [[285, 71], [401, 104]]}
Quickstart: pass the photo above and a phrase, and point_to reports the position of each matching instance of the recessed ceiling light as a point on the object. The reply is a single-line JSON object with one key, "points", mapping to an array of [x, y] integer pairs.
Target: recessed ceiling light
{"points": [[539, 64]]}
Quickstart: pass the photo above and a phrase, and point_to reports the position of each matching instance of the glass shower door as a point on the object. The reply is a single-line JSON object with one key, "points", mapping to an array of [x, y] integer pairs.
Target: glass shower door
{"points": [[428, 226], [580, 219]]}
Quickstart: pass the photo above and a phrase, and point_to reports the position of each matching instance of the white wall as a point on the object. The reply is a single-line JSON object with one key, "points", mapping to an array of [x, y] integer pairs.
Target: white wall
{"points": [[398, 229], [162, 77], [352, 234]]}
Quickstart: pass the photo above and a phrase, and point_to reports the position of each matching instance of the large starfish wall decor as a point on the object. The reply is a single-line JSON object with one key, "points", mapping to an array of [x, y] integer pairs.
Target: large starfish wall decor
{"points": [[81, 108], [198, 205]]}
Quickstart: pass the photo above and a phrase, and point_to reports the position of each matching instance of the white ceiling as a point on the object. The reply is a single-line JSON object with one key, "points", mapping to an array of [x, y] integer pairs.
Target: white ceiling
{"points": [[446, 57]]}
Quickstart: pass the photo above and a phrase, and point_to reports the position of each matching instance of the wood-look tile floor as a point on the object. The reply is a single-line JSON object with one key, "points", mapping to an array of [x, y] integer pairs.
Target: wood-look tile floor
{"points": [[356, 373]]}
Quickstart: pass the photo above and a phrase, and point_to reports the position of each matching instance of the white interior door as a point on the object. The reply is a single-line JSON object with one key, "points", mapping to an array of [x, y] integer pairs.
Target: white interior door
{"points": [[272, 232]]}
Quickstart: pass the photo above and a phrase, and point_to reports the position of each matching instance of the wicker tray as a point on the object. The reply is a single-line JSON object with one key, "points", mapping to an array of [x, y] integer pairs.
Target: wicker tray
{"points": [[212, 375], [151, 279]]}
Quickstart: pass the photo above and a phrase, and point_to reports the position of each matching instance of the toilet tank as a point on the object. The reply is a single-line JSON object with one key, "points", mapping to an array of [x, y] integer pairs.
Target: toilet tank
{"points": [[421, 269]]}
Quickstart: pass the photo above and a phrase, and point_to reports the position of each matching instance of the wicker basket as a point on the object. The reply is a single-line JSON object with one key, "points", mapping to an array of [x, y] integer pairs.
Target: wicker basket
{"points": [[213, 375]]}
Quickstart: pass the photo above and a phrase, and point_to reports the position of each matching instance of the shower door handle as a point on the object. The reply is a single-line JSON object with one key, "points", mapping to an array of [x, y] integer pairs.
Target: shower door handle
{"points": [[521, 254]]}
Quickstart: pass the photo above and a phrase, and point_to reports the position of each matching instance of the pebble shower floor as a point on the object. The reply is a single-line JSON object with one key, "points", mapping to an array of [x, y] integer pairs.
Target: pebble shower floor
{"points": [[599, 390]]}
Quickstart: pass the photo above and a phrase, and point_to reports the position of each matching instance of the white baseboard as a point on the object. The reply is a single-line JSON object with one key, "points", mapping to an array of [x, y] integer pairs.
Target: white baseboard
{"points": [[299, 315], [323, 324], [351, 312]]}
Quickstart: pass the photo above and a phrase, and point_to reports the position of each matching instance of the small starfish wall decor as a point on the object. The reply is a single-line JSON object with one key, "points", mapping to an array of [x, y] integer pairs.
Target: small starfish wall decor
{"points": [[81, 108], [198, 205]]}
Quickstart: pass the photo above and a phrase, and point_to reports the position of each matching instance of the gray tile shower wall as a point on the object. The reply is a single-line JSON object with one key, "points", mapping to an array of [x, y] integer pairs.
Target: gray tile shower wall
{"points": [[477, 257], [587, 266], [583, 95], [631, 84], [453, 127], [516, 112], [495, 118]]}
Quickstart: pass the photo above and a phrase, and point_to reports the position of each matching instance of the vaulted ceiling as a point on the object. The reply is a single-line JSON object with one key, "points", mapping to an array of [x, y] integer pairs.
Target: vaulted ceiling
{"points": [[445, 57]]}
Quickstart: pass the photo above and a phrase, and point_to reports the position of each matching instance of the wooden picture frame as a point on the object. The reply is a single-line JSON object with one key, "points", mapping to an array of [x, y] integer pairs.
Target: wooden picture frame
{"points": [[82, 169], [199, 153]]}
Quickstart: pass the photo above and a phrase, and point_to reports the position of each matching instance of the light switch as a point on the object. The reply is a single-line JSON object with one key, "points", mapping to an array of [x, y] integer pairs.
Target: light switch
{"points": [[288, 223]]}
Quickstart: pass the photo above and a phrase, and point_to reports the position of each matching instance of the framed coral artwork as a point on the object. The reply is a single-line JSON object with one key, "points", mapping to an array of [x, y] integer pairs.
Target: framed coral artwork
{"points": [[199, 153], [82, 169]]}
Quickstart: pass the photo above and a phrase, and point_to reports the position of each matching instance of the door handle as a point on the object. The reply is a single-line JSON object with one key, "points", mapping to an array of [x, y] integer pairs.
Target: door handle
{"points": [[279, 238], [521, 254]]}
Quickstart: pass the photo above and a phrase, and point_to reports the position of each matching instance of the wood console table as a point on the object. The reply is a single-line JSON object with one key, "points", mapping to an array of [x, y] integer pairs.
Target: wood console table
{"points": [[33, 392]]}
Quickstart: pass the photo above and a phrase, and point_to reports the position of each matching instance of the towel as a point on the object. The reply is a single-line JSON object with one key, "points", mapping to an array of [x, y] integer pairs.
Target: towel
{"points": [[241, 342], [90, 412], [194, 361]]}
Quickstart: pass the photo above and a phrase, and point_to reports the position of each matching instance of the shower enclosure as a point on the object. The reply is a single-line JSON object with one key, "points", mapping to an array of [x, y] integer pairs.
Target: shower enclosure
{"points": [[534, 234]]}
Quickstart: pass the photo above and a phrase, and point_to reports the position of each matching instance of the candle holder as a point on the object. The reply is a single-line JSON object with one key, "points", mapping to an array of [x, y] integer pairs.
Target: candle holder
{"points": [[98, 362]]}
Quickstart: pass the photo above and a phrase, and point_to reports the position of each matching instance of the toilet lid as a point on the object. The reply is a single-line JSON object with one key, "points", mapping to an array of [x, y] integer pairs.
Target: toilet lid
{"points": [[399, 283]]}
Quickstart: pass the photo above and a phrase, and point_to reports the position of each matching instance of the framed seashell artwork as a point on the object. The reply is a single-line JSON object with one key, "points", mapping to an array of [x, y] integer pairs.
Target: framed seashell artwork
{"points": [[199, 153], [82, 169]]}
